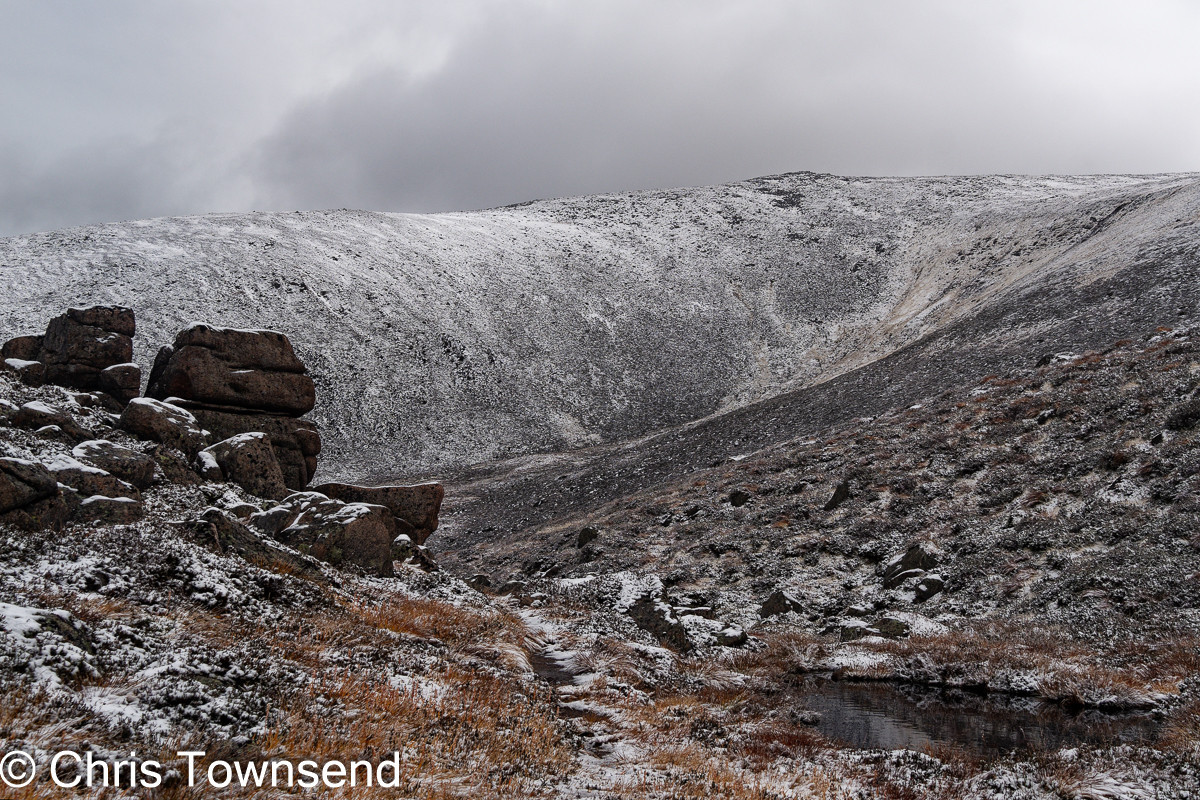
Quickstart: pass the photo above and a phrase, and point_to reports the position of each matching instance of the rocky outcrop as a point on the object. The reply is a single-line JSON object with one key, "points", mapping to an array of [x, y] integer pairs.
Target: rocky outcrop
{"points": [[85, 348], [338, 533], [296, 442], [243, 381], [415, 508], [653, 615]]}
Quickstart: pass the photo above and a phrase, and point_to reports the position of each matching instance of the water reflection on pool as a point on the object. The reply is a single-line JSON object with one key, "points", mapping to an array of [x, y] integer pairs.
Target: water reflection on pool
{"points": [[890, 716]]}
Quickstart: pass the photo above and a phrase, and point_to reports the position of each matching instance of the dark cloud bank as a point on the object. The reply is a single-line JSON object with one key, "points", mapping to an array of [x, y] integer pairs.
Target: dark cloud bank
{"points": [[522, 100]]}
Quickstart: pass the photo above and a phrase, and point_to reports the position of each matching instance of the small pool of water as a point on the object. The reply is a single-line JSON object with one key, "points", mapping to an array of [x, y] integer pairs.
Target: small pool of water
{"points": [[890, 716]]}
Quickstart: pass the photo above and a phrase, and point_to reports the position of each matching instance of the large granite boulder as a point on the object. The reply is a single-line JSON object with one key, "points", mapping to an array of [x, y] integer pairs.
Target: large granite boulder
{"points": [[78, 351], [127, 464], [167, 424], [83, 342], [226, 367], [23, 483], [295, 441], [249, 461], [414, 507], [243, 381], [23, 348]]}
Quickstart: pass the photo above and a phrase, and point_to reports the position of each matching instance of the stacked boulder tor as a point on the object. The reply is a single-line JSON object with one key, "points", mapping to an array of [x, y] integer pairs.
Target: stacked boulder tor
{"points": [[238, 381], [221, 405], [90, 349]]}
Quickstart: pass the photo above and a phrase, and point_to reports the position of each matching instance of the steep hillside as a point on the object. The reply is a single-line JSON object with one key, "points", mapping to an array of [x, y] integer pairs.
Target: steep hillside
{"points": [[439, 341]]}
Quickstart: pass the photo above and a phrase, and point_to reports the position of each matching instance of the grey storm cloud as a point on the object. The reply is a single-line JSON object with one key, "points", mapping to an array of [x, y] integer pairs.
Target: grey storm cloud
{"points": [[135, 109]]}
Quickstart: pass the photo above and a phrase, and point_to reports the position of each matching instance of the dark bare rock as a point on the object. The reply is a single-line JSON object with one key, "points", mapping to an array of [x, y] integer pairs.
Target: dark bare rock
{"points": [[296, 441], [127, 464], [912, 563], [341, 534], [23, 483], [245, 369], [587, 535], [35, 415], [109, 510], [840, 495], [1184, 416], [249, 461], [22, 348], [156, 421], [31, 373], [780, 602], [929, 586], [417, 505], [88, 480], [122, 381]]}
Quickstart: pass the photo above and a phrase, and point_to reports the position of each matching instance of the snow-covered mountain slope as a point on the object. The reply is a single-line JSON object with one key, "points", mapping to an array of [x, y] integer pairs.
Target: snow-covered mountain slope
{"points": [[442, 340]]}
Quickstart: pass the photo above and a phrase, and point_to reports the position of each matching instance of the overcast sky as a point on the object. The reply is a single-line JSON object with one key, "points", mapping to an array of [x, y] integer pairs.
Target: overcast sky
{"points": [[123, 110]]}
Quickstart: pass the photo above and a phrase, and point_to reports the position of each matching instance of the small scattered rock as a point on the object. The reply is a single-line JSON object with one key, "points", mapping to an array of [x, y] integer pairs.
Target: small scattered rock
{"points": [[587, 535], [852, 629], [929, 586], [653, 615], [891, 627], [911, 563], [732, 636], [1184, 416], [738, 498], [840, 495], [780, 602]]}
